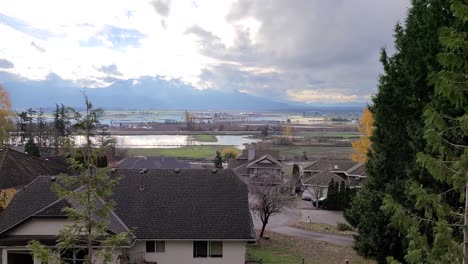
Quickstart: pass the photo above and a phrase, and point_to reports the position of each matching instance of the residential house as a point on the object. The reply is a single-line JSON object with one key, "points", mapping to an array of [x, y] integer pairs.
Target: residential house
{"points": [[317, 174], [18, 169], [257, 165], [184, 216]]}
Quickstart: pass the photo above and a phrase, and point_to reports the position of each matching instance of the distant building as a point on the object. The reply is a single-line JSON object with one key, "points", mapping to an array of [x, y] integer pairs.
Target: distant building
{"points": [[319, 173], [259, 165]]}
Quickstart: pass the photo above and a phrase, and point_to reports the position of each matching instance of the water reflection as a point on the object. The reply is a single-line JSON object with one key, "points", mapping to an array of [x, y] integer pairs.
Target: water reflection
{"points": [[174, 141]]}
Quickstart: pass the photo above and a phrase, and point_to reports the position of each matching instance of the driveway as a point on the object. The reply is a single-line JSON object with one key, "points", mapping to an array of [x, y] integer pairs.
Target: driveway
{"points": [[314, 215], [296, 211]]}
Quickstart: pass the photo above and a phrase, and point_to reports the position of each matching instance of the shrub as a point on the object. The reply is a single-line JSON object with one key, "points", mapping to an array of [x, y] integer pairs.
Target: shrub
{"points": [[343, 227]]}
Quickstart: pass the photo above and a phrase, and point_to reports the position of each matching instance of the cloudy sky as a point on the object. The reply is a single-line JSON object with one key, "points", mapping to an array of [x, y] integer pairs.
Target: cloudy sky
{"points": [[301, 50]]}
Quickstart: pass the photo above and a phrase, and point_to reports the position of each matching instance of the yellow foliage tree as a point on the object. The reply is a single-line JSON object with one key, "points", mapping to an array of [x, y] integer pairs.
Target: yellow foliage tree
{"points": [[5, 113], [229, 153], [363, 144], [5, 197]]}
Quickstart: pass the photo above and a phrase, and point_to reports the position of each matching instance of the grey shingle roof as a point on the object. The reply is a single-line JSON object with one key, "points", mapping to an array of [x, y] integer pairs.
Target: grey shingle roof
{"points": [[18, 169], [38, 200], [27, 201], [190, 204], [329, 164], [151, 162], [322, 178]]}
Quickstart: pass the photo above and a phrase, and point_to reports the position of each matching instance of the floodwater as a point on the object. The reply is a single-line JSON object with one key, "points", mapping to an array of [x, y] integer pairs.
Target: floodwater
{"points": [[176, 141]]}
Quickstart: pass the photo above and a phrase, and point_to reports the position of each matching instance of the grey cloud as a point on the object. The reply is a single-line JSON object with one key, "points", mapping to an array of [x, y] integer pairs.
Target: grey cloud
{"points": [[324, 46], [37, 47], [6, 64], [110, 69], [162, 7]]}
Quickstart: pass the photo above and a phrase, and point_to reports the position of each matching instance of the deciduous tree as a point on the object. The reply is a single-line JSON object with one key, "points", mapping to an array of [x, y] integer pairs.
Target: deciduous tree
{"points": [[362, 146], [268, 201], [5, 114]]}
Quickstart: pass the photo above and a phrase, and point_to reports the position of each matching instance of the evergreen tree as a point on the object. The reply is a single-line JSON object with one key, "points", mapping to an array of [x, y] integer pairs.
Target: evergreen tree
{"points": [[218, 160], [89, 219], [342, 199], [397, 108], [331, 196], [31, 148], [437, 235]]}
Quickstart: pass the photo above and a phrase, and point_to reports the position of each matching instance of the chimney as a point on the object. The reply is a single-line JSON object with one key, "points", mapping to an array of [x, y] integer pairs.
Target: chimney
{"points": [[251, 154]]}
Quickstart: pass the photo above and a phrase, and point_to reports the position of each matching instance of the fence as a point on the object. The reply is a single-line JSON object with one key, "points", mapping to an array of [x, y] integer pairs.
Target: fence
{"points": [[261, 261]]}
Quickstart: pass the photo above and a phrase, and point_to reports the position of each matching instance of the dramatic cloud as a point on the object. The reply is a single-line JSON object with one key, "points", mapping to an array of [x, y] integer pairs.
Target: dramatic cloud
{"points": [[110, 69], [37, 47], [309, 46], [162, 7], [302, 50], [6, 64]]}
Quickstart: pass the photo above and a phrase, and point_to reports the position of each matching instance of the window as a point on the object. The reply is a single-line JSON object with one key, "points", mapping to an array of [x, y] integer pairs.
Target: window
{"points": [[160, 246], [216, 249], [200, 249], [150, 246], [204, 249]]}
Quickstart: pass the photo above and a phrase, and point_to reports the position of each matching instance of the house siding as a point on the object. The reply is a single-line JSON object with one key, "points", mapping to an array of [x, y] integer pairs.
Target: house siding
{"points": [[181, 252], [40, 227]]}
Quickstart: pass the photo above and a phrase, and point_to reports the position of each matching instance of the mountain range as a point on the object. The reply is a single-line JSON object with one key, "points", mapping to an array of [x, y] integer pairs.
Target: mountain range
{"points": [[141, 93]]}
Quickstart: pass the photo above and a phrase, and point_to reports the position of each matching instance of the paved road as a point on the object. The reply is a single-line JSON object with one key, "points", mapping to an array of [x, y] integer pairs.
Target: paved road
{"points": [[329, 238], [296, 211]]}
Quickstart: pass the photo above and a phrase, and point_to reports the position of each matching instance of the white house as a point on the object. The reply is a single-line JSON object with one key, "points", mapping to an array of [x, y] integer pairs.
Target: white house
{"points": [[185, 216]]}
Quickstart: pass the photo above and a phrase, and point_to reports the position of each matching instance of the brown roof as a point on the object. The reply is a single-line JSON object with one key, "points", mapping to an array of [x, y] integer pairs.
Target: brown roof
{"points": [[257, 163], [18, 169]]}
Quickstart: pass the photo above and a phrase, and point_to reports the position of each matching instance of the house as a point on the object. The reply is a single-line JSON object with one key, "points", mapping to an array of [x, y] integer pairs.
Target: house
{"points": [[18, 169], [258, 165], [317, 174], [184, 216], [151, 162]]}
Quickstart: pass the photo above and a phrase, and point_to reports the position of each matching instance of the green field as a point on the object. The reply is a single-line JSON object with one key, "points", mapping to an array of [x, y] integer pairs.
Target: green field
{"points": [[197, 152], [209, 152], [280, 249], [204, 138], [312, 134], [296, 151]]}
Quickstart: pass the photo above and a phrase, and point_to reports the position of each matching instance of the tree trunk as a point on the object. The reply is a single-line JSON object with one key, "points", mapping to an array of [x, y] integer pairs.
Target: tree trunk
{"points": [[263, 228], [465, 226]]}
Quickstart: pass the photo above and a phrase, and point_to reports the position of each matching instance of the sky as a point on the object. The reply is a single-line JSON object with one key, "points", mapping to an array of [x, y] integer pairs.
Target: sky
{"points": [[311, 51]]}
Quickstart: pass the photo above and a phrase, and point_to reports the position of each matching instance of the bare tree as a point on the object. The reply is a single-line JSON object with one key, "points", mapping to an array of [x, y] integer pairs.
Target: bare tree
{"points": [[268, 201], [316, 193]]}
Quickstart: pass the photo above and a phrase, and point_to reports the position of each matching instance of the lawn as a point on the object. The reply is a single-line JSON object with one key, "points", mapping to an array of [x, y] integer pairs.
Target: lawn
{"points": [[198, 152], [204, 138], [281, 249], [296, 151], [324, 228], [312, 134]]}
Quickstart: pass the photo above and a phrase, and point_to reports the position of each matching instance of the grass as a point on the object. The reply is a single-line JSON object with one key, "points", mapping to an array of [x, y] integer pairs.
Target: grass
{"points": [[311, 134], [324, 228], [205, 138], [281, 249], [198, 152], [296, 151]]}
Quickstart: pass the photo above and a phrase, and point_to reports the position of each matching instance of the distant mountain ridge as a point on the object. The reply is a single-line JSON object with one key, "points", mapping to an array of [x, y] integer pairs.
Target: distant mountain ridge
{"points": [[142, 93]]}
